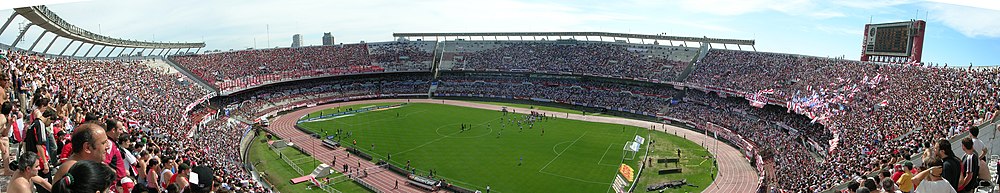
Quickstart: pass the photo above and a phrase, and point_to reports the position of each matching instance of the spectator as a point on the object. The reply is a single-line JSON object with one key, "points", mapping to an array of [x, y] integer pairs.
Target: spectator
{"points": [[969, 177], [978, 145], [951, 165], [930, 180], [5, 127], [25, 178], [888, 186], [89, 143], [205, 181], [85, 177], [905, 181]]}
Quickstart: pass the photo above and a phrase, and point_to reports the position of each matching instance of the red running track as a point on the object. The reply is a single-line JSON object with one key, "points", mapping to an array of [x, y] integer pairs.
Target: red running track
{"points": [[735, 172]]}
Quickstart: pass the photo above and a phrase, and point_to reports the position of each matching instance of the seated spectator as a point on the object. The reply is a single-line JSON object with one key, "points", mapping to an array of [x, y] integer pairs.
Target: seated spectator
{"points": [[25, 178], [85, 177]]}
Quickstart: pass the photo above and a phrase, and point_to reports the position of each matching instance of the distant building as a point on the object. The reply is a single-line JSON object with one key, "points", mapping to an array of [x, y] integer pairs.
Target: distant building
{"points": [[327, 39], [296, 40]]}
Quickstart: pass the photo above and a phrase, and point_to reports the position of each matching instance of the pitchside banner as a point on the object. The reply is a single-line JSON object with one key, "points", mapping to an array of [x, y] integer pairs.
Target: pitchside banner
{"points": [[626, 171]]}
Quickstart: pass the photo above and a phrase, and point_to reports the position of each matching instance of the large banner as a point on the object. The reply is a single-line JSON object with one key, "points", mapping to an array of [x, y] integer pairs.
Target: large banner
{"points": [[626, 171]]}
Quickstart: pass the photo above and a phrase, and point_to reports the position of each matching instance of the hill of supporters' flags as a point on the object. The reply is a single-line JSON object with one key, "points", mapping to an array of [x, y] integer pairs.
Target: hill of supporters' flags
{"points": [[835, 120]]}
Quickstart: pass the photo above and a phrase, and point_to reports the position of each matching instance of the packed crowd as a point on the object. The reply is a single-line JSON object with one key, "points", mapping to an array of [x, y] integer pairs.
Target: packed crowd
{"points": [[254, 104], [605, 59], [870, 106], [403, 55], [245, 68], [97, 125], [884, 112], [565, 91], [220, 144]]}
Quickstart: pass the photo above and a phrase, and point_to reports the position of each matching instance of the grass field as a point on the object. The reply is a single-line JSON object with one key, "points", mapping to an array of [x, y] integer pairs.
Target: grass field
{"points": [[571, 156], [279, 172], [694, 160]]}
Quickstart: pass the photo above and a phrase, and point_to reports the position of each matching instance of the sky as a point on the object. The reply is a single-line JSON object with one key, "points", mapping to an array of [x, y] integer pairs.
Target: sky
{"points": [[958, 32]]}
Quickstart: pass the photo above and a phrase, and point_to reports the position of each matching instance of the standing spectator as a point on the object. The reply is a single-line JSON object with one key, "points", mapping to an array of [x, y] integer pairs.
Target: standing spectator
{"points": [[978, 146], [114, 157], [888, 186], [152, 178], [930, 180], [181, 178], [905, 181], [34, 140], [5, 127], [951, 165], [205, 180], [969, 179]]}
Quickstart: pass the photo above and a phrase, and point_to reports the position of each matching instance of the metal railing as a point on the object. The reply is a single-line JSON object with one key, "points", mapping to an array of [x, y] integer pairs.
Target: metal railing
{"points": [[290, 163]]}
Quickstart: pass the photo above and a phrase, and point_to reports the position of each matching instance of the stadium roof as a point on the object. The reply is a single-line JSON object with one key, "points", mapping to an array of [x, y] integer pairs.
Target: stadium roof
{"points": [[571, 34], [48, 20]]}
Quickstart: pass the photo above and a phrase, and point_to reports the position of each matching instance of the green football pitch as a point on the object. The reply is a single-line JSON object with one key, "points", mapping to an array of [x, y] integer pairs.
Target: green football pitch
{"points": [[551, 155]]}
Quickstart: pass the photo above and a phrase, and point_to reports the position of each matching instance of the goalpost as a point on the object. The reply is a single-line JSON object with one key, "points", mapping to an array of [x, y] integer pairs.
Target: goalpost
{"points": [[632, 147]]}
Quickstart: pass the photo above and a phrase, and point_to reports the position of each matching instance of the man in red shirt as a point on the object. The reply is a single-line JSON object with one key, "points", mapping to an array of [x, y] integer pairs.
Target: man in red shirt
{"points": [[114, 157]]}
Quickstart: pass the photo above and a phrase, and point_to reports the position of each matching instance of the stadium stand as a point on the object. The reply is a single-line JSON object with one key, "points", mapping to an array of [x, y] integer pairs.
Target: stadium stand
{"points": [[629, 61], [886, 113], [882, 111], [149, 102], [819, 103], [237, 70]]}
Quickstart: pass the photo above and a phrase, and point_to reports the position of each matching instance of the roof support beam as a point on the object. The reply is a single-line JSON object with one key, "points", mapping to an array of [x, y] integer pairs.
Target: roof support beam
{"points": [[88, 50], [67, 47], [112, 51], [99, 52], [77, 49], [32, 48], [50, 44], [12, 15], [26, 28]]}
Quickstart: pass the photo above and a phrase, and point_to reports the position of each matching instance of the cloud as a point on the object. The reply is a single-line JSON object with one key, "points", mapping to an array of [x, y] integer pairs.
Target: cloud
{"points": [[10, 4], [228, 24], [809, 8], [840, 30], [969, 21], [869, 4], [985, 4], [825, 14]]}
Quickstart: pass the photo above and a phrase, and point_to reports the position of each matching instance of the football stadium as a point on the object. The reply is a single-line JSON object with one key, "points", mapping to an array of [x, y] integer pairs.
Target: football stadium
{"points": [[495, 105]]}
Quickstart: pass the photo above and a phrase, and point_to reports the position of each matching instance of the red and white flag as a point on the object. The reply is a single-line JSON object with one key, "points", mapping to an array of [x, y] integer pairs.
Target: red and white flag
{"points": [[759, 100]]}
